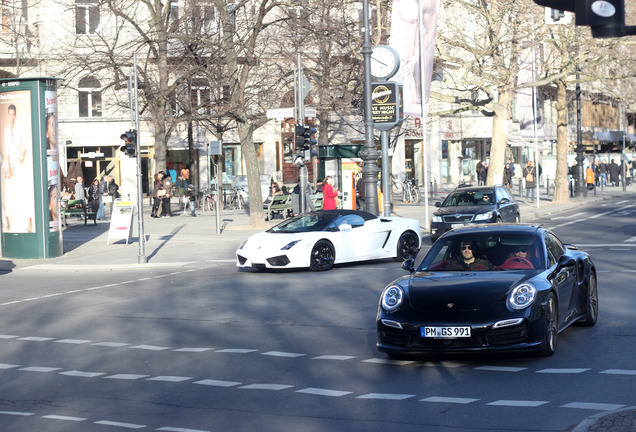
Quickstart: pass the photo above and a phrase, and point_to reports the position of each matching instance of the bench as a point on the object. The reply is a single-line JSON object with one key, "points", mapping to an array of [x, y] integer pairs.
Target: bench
{"points": [[279, 204], [77, 208], [317, 200]]}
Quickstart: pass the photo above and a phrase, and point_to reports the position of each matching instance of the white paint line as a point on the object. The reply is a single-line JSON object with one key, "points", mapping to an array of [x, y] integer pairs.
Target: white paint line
{"points": [[266, 387], [196, 350], [323, 392], [36, 339], [126, 376], [39, 369], [120, 424], [175, 429], [501, 368], [8, 336], [8, 366], [282, 354], [217, 383], [111, 344], [388, 361], [169, 378], [66, 418], [518, 403], [81, 374], [385, 396], [619, 372], [237, 350], [150, 347], [562, 370], [72, 341], [567, 217], [442, 364], [440, 399], [16, 413], [333, 357], [593, 406], [630, 240]]}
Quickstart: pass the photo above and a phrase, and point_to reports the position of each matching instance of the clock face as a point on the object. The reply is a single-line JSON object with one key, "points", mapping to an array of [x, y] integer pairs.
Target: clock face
{"points": [[385, 62]]}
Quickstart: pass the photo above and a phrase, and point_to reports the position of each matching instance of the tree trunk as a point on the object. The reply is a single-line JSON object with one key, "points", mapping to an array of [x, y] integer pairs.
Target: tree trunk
{"points": [[257, 215], [499, 139], [561, 189]]}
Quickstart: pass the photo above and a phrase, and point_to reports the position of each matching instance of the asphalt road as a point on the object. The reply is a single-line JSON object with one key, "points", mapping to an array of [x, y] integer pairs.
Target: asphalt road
{"points": [[211, 349]]}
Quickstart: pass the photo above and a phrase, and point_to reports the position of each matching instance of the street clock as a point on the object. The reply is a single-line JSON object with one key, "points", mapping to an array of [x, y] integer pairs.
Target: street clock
{"points": [[385, 62]]}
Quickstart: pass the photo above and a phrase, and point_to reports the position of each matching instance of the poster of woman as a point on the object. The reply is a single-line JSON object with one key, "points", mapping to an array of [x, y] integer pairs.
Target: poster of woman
{"points": [[52, 159], [16, 150]]}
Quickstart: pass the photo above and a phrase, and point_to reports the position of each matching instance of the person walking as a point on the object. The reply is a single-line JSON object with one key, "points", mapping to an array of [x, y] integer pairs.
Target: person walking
{"points": [[80, 194], [483, 174], [530, 175], [508, 173], [589, 177], [602, 172], [103, 192], [512, 169], [329, 194], [192, 197], [165, 200], [614, 172], [93, 196], [113, 191], [157, 193], [478, 168]]}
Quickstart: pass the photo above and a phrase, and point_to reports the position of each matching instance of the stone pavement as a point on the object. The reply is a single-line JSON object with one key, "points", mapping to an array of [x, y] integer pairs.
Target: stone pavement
{"points": [[182, 241]]}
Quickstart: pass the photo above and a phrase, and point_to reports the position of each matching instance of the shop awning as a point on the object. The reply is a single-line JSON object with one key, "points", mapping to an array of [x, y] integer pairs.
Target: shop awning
{"points": [[630, 137], [608, 136]]}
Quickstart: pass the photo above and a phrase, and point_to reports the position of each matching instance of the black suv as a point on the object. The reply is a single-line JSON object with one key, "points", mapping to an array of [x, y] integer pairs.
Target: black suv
{"points": [[474, 205]]}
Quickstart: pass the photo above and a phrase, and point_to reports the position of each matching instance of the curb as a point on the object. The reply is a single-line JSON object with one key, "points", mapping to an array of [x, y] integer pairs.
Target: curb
{"points": [[622, 420]]}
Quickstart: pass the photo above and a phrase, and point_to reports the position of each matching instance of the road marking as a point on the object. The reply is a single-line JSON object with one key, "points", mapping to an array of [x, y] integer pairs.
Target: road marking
{"points": [[169, 378], [126, 376], [236, 351], [66, 418], [517, 403], [39, 369], [8, 336], [36, 339], [567, 217], [593, 406], [120, 424], [323, 392], [596, 216], [81, 374], [386, 396], [217, 383], [388, 361], [150, 347], [619, 372], [630, 240], [194, 350], [72, 341], [333, 357], [563, 370], [282, 354], [8, 366], [111, 344], [175, 429], [17, 413], [443, 364], [440, 399], [266, 387], [501, 368]]}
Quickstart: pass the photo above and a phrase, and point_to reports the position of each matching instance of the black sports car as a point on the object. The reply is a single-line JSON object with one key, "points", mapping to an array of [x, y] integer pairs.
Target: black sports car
{"points": [[489, 288], [474, 205]]}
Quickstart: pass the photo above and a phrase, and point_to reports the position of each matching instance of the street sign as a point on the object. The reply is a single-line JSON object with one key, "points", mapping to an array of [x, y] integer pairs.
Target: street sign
{"points": [[386, 105], [280, 113], [305, 87], [215, 147]]}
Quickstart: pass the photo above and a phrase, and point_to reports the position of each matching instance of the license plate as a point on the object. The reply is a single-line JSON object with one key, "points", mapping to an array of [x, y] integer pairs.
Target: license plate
{"points": [[445, 332], [457, 225]]}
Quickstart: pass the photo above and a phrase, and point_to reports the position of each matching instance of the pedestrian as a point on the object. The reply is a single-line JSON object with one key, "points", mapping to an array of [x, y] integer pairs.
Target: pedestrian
{"points": [[157, 193], [165, 200], [483, 174], [530, 175], [94, 196], [614, 171], [603, 169], [103, 192], [633, 168], [329, 194], [192, 197], [113, 191], [512, 168], [589, 177], [478, 168], [508, 173], [79, 192], [361, 194]]}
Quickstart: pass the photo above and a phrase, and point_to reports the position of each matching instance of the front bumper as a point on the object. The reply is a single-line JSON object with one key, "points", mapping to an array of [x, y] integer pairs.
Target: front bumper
{"points": [[439, 228]]}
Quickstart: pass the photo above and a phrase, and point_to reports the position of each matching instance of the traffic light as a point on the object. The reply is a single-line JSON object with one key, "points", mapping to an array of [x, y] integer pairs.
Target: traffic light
{"points": [[605, 17], [304, 139], [130, 143]]}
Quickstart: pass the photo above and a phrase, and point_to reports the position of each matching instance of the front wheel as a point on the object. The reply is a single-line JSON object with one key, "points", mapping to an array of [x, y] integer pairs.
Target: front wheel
{"points": [[592, 302], [323, 256], [407, 246], [415, 194], [551, 327]]}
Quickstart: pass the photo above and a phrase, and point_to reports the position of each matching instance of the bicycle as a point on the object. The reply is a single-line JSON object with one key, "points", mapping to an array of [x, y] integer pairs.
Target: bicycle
{"points": [[208, 201], [410, 191], [236, 199]]}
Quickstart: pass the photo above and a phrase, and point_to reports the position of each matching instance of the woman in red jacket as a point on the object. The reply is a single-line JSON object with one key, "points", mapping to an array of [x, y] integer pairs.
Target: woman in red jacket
{"points": [[328, 194]]}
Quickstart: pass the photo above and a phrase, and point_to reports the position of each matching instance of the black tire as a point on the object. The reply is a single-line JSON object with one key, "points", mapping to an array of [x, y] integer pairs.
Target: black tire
{"points": [[591, 314], [407, 246], [551, 329], [323, 255]]}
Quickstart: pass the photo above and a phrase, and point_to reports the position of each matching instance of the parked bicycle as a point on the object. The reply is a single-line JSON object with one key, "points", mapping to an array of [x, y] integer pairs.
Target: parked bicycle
{"points": [[235, 200], [410, 191], [208, 199]]}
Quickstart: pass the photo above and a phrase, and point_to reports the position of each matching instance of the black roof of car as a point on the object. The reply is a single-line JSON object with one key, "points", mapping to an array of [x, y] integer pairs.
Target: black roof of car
{"points": [[469, 188], [341, 212], [496, 228]]}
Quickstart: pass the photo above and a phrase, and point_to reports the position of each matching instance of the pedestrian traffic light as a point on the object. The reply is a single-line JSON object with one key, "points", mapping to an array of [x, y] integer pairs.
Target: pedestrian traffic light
{"points": [[605, 17], [304, 139], [130, 143]]}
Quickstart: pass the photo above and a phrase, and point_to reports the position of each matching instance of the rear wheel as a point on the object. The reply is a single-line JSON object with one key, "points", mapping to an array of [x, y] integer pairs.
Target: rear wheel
{"points": [[323, 256], [407, 246], [551, 327], [592, 302], [416, 194]]}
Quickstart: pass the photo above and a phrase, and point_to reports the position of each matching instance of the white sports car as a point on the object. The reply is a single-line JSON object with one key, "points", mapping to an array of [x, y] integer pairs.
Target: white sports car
{"points": [[320, 239]]}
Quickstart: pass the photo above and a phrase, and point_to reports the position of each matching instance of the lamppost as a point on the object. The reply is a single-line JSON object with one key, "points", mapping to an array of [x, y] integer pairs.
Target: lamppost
{"points": [[579, 189]]}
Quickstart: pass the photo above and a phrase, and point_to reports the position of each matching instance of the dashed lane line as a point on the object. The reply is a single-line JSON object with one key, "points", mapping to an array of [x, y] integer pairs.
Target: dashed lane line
{"points": [[518, 403]]}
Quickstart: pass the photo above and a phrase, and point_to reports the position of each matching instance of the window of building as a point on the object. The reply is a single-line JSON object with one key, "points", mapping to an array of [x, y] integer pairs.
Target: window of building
{"points": [[86, 17], [201, 95], [90, 97]]}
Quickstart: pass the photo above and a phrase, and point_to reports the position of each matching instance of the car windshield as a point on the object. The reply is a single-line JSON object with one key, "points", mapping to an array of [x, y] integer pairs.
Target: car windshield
{"points": [[469, 197], [487, 251], [307, 222]]}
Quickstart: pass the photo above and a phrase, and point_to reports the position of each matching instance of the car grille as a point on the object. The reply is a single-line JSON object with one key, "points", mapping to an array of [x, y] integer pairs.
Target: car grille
{"points": [[241, 259], [508, 335], [458, 218]]}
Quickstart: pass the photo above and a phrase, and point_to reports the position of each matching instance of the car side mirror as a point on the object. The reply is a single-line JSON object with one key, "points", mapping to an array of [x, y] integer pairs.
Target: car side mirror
{"points": [[438, 204], [344, 227], [563, 262], [409, 265], [504, 201]]}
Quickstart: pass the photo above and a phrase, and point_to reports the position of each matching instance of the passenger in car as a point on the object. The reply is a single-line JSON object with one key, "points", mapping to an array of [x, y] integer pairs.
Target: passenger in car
{"points": [[468, 259]]}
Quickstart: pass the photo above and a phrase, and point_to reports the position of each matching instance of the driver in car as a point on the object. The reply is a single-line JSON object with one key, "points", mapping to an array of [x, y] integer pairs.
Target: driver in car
{"points": [[468, 260]]}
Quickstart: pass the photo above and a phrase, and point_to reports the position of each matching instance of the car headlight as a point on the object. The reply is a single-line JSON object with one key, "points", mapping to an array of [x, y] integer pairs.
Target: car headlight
{"points": [[484, 216], [288, 246], [392, 298], [436, 219], [522, 296]]}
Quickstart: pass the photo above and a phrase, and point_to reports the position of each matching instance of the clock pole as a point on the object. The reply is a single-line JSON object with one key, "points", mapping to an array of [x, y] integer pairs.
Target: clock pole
{"points": [[370, 154]]}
